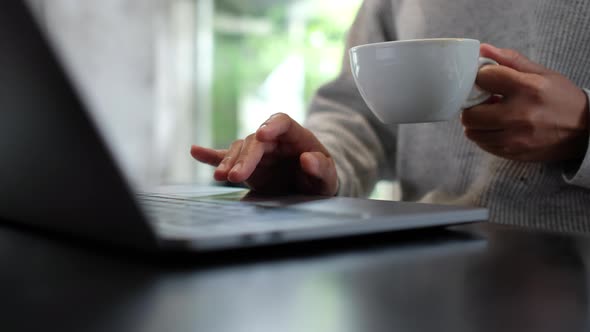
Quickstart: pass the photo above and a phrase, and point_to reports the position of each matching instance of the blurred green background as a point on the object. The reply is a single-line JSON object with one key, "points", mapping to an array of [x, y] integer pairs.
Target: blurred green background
{"points": [[254, 38]]}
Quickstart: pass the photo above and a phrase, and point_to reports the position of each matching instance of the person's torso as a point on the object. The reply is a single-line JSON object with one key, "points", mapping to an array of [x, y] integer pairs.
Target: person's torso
{"points": [[437, 158]]}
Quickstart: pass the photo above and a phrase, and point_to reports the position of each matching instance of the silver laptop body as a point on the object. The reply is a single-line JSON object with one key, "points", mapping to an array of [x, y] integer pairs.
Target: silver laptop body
{"points": [[57, 174]]}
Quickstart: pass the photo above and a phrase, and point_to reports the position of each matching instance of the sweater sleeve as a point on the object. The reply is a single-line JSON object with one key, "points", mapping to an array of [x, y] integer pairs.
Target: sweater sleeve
{"points": [[580, 174], [362, 147]]}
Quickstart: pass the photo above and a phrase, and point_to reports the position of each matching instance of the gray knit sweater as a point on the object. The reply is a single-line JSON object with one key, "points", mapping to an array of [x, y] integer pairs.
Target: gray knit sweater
{"points": [[434, 161]]}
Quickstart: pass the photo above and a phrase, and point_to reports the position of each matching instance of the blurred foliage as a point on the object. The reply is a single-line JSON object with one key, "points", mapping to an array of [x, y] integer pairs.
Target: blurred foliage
{"points": [[243, 61], [248, 7]]}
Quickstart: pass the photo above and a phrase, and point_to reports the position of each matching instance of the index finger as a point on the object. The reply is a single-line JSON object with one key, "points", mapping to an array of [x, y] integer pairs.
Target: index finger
{"points": [[500, 80], [247, 161], [208, 156], [282, 128], [484, 117]]}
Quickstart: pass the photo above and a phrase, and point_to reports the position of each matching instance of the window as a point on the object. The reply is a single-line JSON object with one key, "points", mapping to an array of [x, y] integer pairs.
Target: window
{"points": [[270, 56], [159, 75], [227, 65]]}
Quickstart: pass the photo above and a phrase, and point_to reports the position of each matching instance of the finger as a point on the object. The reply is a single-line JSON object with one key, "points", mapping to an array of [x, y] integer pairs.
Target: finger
{"points": [[249, 157], [508, 144], [501, 80], [320, 167], [485, 117], [228, 161], [280, 127], [208, 156], [506, 152], [511, 58], [494, 99], [487, 137], [496, 150]]}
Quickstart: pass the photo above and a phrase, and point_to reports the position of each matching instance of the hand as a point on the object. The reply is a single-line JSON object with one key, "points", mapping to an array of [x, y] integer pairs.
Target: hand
{"points": [[281, 157], [542, 116]]}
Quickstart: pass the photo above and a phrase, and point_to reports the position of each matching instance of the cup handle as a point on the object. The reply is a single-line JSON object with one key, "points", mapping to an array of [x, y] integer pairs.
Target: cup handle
{"points": [[477, 95]]}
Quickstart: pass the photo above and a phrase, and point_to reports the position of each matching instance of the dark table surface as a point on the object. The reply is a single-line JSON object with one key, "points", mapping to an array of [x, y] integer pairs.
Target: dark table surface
{"points": [[471, 278]]}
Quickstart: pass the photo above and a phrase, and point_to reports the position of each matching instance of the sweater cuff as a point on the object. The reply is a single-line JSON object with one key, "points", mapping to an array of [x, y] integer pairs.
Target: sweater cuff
{"points": [[580, 176]]}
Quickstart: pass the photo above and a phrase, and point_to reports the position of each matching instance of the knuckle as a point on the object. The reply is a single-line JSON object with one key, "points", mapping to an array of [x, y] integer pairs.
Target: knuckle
{"points": [[236, 144], [281, 116], [519, 145], [513, 55], [535, 87], [527, 120], [227, 159], [249, 138]]}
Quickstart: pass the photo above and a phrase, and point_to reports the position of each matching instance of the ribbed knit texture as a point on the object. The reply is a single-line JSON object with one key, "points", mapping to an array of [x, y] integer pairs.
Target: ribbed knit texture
{"points": [[434, 162]]}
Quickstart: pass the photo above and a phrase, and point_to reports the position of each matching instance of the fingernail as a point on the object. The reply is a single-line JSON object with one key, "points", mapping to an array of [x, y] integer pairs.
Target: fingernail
{"points": [[236, 168], [221, 168], [315, 164], [264, 125], [262, 130]]}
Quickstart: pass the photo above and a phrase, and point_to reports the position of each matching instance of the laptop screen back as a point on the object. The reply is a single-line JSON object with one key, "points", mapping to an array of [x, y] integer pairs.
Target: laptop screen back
{"points": [[56, 172]]}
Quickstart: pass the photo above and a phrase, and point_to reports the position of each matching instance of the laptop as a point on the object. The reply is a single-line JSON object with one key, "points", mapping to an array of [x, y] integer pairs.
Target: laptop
{"points": [[58, 174]]}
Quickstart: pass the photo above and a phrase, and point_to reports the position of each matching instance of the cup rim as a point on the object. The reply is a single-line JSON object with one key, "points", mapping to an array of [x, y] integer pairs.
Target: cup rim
{"points": [[416, 41]]}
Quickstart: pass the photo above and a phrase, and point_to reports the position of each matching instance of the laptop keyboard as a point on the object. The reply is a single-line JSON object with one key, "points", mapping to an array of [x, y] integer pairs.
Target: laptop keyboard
{"points": [[195, 217]]}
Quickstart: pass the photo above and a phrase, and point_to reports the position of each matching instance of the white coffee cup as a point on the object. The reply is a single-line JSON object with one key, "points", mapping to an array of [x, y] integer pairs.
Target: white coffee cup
{"points": [[421, 80]]}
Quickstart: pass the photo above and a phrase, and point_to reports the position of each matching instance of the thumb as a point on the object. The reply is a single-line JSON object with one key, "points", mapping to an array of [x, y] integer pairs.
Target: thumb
{"points": [[511, 58], [322, 171]]}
